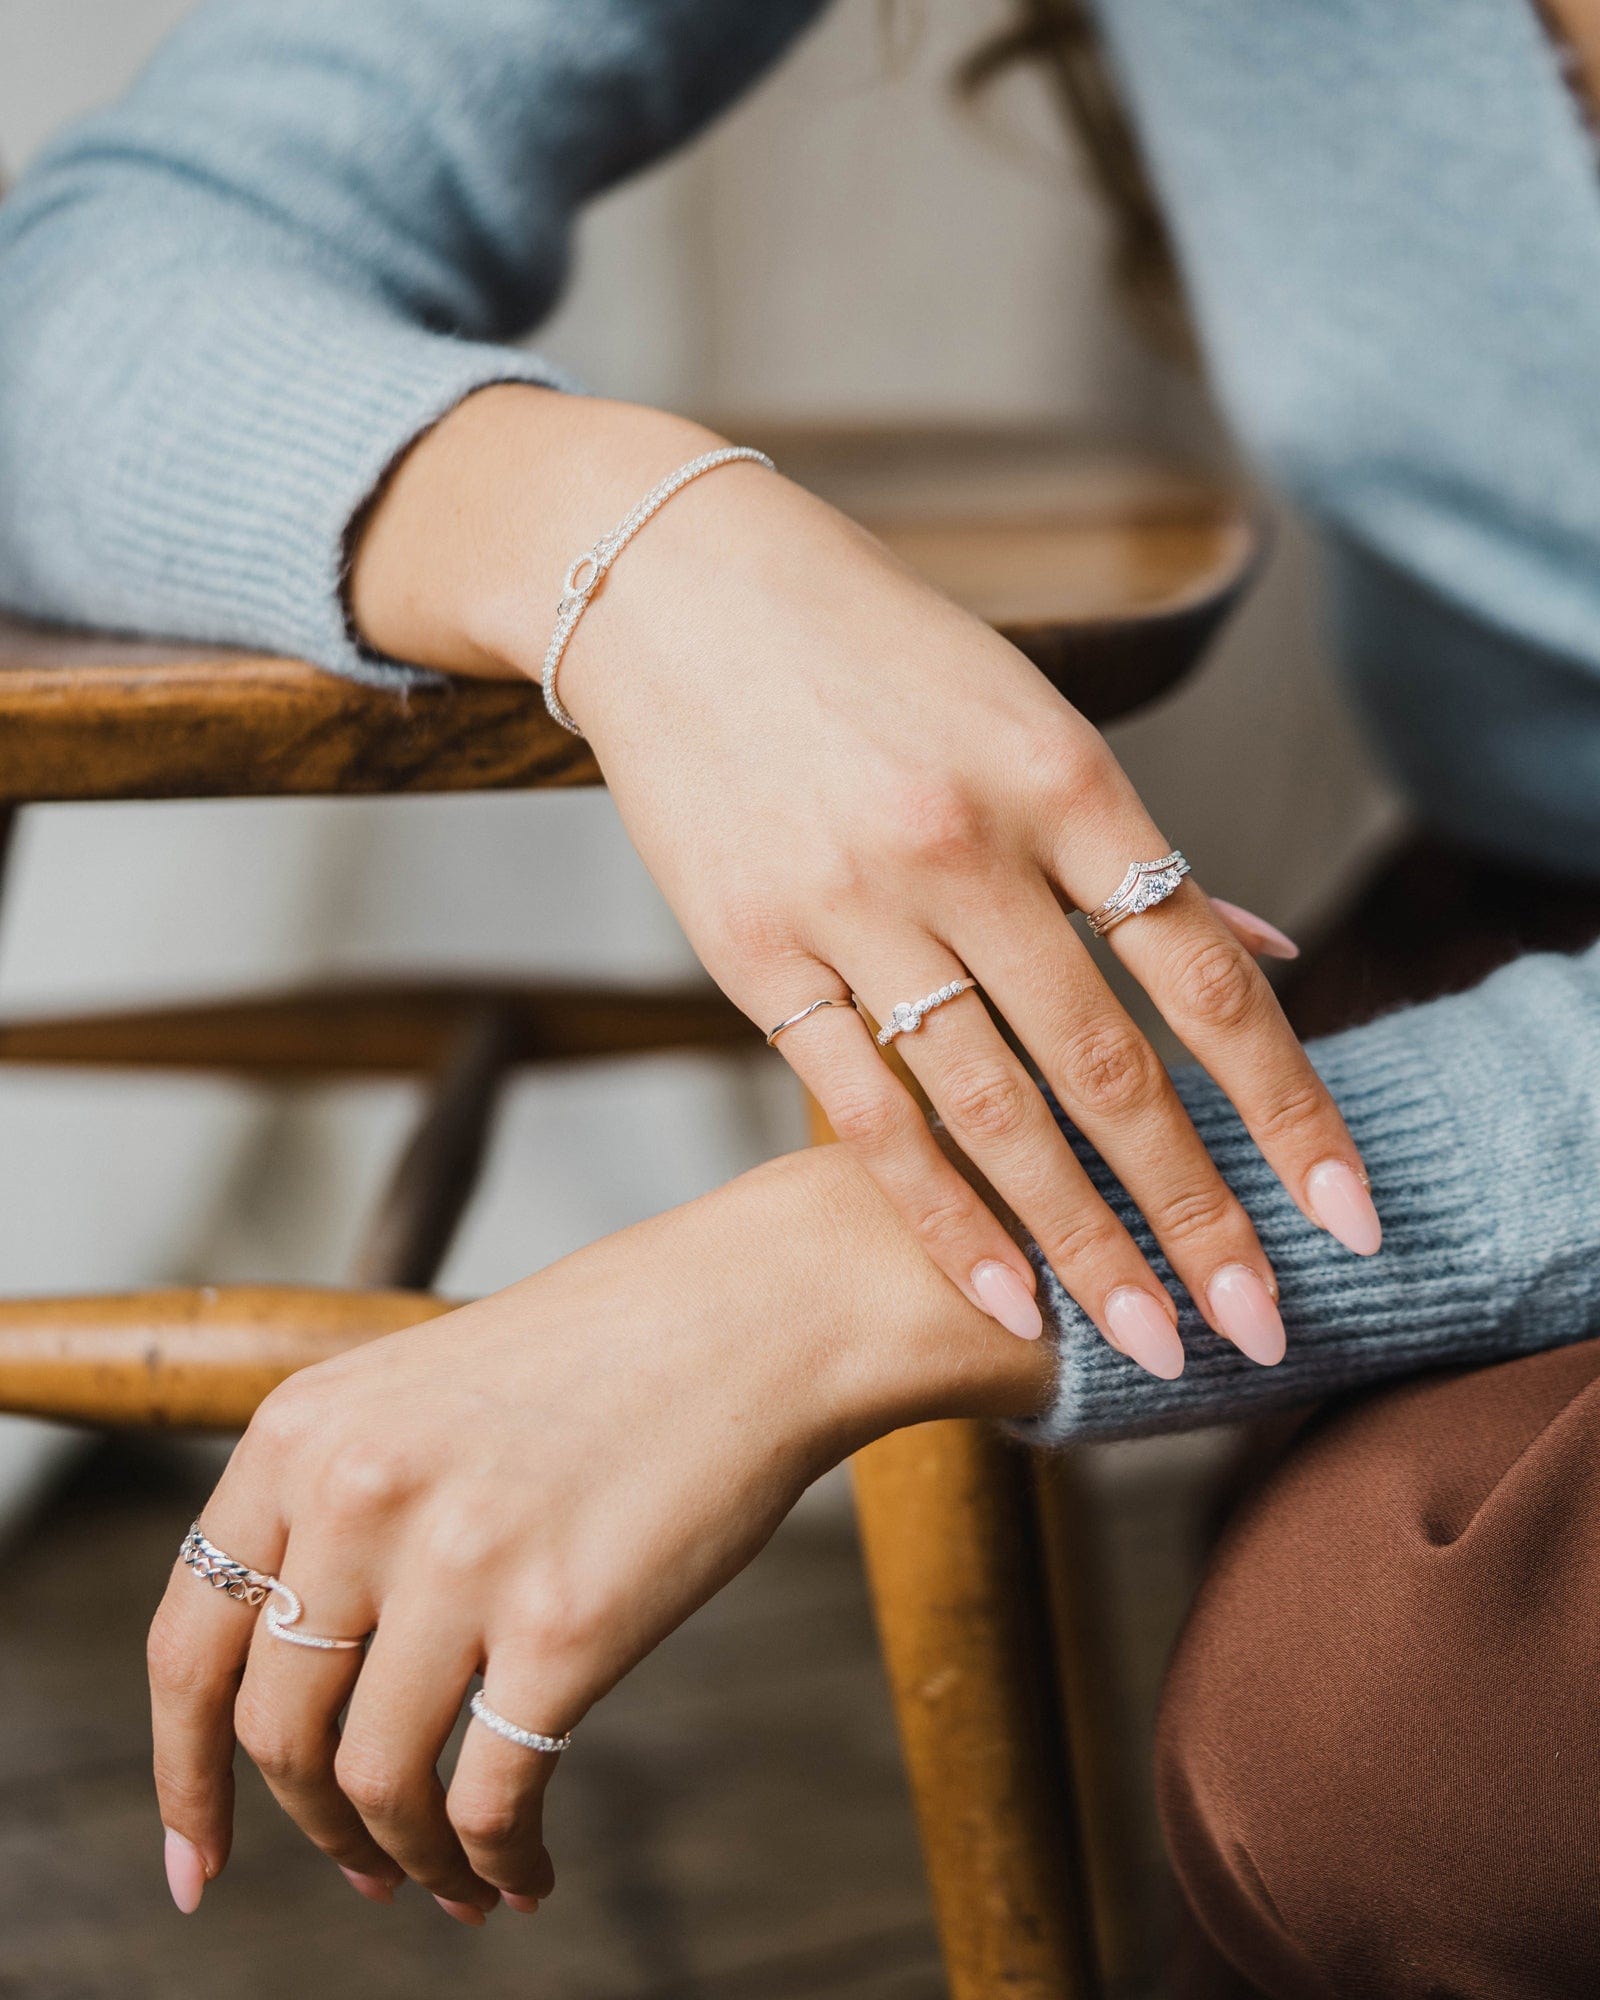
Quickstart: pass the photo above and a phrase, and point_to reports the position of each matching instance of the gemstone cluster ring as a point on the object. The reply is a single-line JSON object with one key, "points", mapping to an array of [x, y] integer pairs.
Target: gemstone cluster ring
{"points": [[1145, 884], [908, 1015]]}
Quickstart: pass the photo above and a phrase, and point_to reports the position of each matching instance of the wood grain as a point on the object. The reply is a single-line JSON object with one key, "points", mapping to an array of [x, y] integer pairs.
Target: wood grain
{"points": [[1110, 573], [199, 1359]]}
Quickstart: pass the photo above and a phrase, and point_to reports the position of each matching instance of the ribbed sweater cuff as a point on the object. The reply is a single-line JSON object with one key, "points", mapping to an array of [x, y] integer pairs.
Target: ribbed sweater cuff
{"points": [[1477, 1120]]}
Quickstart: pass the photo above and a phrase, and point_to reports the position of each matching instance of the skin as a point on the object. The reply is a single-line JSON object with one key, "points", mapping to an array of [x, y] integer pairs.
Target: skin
{"points": [[522, 1488], [843, 783]]}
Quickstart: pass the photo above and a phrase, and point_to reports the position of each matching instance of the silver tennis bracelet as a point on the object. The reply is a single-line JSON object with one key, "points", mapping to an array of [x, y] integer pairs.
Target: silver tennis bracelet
{"points": [[585, 576]]}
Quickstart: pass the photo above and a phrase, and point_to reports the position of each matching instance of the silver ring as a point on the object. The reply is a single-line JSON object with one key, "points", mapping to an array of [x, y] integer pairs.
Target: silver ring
{"points": [[1145, 884], [252, 1586], [908, 1015], [527, 1739], [805, 1014]]}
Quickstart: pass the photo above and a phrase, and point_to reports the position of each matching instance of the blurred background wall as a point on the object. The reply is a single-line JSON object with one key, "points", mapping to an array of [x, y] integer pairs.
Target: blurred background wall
{"points": [[850, 243]]}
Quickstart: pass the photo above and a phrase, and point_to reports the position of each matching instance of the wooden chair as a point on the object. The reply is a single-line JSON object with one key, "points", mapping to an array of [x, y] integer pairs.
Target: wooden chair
{"points": [[1112, 575]]}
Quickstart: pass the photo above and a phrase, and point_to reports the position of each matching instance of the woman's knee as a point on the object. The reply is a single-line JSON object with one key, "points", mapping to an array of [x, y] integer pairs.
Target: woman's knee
{"points": [[1378, 1766]]}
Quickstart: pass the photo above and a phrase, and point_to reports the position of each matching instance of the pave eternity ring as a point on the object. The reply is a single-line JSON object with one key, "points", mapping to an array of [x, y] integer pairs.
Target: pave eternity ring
{"points": [[1145, 884], [253, 1586], [805, 1013], [908, 1016], [528, 1739]]}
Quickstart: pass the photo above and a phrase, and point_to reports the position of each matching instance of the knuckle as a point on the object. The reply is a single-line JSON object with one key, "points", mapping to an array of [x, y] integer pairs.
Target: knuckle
{"points": [[1220, 986], [1113, 1069], [178, 1672], [1298, 1108], [277, 1752], [362, 1480], [185, 1800], [941, 1215], [1195, 1213], [937, 824], [871, 1117], [490, 1822], [1088, 1242], [990, 1101], [287, 1416], [459, 1540], [1064, 768], [754, 930], [377, 1789]]}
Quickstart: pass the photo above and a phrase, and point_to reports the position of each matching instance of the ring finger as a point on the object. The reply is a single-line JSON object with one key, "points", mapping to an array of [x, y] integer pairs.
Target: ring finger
{"points": [[996, 1114]]}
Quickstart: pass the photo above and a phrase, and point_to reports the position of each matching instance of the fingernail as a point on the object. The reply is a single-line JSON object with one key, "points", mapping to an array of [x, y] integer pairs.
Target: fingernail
{"points": [[464, 1913], [1004, 1297], [523, 1905], [373, 1887], [1243, 1310], [1263, 939], [186, 1872], [1144, 1332], [1340, 1202]]}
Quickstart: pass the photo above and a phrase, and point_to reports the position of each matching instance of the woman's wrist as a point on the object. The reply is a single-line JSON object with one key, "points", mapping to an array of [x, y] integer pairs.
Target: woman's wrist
{"points": [[458, 562]]}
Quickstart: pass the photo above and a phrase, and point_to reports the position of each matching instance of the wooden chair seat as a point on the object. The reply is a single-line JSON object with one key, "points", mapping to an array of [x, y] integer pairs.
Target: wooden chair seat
{"points": [[1111, 574]]}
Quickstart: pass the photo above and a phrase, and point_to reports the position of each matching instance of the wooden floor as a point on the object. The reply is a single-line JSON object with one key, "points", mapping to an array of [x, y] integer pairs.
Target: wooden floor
{"points": [[733, 1825]]}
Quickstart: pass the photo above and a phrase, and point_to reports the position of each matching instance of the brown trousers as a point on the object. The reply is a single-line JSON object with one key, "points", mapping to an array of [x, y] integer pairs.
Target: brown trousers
{"points": [[1379, 1752]]}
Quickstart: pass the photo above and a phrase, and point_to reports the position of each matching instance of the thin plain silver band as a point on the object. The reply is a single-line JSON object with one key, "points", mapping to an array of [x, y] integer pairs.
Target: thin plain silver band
{"points": [[526, 1739], [575, 595], [805, 1014]]}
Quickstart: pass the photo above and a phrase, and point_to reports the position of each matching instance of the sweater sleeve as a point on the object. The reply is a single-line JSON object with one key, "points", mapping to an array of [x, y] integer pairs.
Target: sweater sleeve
{"points": [[230, 300], [1479, 1120]]}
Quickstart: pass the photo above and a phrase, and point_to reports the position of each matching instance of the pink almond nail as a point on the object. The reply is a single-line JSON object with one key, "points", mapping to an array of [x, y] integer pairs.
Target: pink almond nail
{"points": [[464, 1913], [525, 1906], [1004, 1297], [373, 1887], [1341, 1203], [1255, 933], [186, 1872], [1142, 1329], [1244, 1312]]}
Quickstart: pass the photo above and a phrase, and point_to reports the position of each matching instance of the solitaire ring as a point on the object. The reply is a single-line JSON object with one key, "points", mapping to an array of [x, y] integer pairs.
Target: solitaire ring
{"points": [[909, 1014], [1145, 884]]}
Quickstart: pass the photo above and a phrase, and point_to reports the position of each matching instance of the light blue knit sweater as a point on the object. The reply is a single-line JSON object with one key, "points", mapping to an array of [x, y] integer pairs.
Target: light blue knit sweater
{"points": [[229, 301]]}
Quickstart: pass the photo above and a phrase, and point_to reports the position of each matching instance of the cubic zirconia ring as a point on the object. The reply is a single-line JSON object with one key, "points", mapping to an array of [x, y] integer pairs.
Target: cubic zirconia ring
{"points": [[1145, 884], [253, 1586], [527, 1739], [908, 1015], [805, 1013]]}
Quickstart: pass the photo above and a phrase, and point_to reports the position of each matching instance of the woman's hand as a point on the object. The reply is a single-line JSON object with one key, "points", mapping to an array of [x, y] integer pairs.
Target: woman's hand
{"points": [[844, 784], [539, 1488]]}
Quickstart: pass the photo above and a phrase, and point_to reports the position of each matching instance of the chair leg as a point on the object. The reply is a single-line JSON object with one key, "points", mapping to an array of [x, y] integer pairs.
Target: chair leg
{"points": [[950, 1533]]}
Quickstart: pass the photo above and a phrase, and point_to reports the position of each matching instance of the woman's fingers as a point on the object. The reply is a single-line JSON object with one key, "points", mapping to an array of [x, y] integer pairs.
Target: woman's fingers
{"points": [[405, 1705], [1214, 997], [197, 1647], [1116, 1091], [997, 1116], [870, 1109], [287, 1717], [496, 1799]]}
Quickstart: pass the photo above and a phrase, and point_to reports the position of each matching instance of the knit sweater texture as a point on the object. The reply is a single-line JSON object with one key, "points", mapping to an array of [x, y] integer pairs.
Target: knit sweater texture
{"points": [[229, 301]]}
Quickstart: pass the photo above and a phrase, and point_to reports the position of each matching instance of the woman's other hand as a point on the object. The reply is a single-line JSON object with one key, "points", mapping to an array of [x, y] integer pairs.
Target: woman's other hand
{"points": [[846, 785], [538, 1487]]}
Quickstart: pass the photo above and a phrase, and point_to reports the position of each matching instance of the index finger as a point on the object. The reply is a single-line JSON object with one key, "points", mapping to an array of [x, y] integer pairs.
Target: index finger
{"points": [[198, 1644]]}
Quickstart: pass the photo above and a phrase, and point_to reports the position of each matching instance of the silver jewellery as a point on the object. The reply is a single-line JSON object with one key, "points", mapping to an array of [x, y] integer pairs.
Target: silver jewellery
{"points": [[908, 1016], [805, 1014], [586, 575], [528, 1739], [251, 1586], [1145, 884]]}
